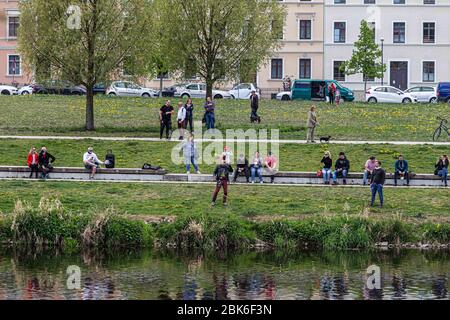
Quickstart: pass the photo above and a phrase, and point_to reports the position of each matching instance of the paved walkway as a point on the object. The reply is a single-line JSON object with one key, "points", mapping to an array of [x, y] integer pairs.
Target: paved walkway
{"points": [[406, 143], [320, 186]]}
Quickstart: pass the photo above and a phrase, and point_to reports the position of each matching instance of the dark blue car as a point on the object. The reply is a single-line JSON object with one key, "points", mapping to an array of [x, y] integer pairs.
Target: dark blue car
{"points": [[443, 91]]}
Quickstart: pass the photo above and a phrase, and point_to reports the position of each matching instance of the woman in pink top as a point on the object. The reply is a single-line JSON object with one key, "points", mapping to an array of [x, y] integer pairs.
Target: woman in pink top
{"points": [[368, 168]]}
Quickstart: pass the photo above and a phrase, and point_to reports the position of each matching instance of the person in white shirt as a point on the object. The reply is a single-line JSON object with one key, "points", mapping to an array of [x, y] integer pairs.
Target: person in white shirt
{"points": [[227, 154], [91, 162], [181, 119]]}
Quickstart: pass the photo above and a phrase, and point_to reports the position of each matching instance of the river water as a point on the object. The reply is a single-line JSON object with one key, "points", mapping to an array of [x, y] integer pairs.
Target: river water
{"points": [[277, 275]]}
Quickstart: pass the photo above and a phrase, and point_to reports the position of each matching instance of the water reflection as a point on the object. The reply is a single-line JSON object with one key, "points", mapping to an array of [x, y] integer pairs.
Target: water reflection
{"points": [[265, 276]]}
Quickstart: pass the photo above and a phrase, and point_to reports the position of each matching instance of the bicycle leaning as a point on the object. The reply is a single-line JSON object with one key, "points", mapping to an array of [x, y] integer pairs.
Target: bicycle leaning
{"points": [[442, 127]]}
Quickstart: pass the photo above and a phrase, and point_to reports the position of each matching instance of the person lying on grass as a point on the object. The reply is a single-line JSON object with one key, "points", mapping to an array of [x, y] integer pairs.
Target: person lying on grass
{"points": [[91, 162]]}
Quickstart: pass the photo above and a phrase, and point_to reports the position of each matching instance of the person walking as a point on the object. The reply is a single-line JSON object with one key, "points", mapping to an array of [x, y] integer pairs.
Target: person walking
{"points": [[191, 155], [254, 105], [222, 176], [401, 167], [377, 183], [91, 162], [342, 167], [45, 163], [189, 106], [256, 168], [165, 118], [181, 119], [442, 168], [33, 162], [332, 93], [311, 125], [210, 117], [327, 165]]}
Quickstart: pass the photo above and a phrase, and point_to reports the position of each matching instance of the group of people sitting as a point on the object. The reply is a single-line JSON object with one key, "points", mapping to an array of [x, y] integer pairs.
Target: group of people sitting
{"points": [[41, 163], [401, 169]]}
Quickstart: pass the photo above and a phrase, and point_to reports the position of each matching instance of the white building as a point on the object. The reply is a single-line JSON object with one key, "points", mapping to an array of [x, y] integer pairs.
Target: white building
{"points": [[415, 36]]}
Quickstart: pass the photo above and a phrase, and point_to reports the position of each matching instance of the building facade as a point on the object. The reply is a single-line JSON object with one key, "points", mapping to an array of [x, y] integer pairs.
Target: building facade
{"points": [[301, 54], [11, 70], [414, 35]]}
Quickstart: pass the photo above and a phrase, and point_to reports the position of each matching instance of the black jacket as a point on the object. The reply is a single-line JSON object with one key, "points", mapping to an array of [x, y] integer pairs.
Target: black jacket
{"points": [[327, 162], [378, 176], [254, 102], [189, 111], [223, 171], [441, 164], [44, 160], [343, 164], [242, 165]]}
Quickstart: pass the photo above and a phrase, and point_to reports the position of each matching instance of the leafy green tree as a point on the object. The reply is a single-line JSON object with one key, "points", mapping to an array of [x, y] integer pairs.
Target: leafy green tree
{"points": [[366, 58], [85, 41], [220, 35]]}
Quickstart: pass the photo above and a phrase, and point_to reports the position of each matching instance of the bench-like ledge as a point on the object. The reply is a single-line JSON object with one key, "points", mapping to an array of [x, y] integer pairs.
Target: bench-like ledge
{"points": [[302, 178]]}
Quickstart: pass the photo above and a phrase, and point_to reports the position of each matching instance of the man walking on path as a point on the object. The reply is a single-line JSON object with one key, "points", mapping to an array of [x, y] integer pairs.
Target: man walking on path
{"points": [[254, 104], [165, 117], [222, 176], [377, 182], [311, 125]]}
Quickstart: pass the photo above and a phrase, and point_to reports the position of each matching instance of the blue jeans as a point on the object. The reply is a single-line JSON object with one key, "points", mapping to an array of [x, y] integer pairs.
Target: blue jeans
{"points": [[377, 188], [255, 171], [326, 175], [443, 174], [210, 120], [194, 162], [366, 177], [343, 173]]}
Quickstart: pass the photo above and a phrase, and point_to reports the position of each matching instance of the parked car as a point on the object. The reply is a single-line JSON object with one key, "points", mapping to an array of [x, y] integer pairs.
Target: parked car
{"points": [[171, 91], [130, 89], [284, 96], [25, 90], [8, 90], [306, 89], [243, 91], [423, 94], [388, 94], [58, 87], [198, 90], [100, 88], [443, 92]]}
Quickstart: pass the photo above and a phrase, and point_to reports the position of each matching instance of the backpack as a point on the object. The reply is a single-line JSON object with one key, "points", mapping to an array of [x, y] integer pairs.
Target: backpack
{"points": [[110, 160], [148, 166]]}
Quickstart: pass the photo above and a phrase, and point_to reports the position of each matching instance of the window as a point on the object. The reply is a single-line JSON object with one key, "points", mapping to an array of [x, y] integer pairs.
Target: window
{"points": [[338, 75], [399, 32], [339, 1], [399, 1], [392, 90], [429, 1], [428, 71], [369, 1], [429, 32], [305, 29], [277, 69], [339, 32], [13, 26], [304, 69], [192, 87], [373, 28], [14, 65]]}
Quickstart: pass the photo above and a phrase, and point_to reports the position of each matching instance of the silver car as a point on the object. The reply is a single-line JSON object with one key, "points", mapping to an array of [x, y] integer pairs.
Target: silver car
{"points": [[130, 89]]}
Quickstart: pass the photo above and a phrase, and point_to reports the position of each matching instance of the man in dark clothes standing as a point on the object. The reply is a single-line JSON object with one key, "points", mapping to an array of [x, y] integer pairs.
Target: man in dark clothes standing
{"points": [[377, 182], [222, 176], [254, 104], [165, 117]]}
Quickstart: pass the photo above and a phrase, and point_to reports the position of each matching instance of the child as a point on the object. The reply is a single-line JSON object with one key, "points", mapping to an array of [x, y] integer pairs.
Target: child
{"points": [[338, 97]]}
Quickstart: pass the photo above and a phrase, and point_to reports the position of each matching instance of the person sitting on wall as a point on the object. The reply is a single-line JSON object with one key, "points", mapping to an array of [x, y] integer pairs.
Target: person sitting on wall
{"points": [[342, 167], [401, 170], [91, 162], [242, 168]]}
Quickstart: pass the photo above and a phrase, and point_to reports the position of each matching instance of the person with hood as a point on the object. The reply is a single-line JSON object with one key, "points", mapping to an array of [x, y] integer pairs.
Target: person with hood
{"points": [[342, 167], [45, 163], [222, 177]]}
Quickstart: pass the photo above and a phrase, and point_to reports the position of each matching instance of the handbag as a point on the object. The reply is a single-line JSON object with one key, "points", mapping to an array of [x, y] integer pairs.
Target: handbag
{"points": [[319, 174]]}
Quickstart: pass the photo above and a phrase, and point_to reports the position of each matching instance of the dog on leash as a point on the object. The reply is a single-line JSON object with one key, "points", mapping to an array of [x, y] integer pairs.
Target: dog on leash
{"points": [[325, 139]]}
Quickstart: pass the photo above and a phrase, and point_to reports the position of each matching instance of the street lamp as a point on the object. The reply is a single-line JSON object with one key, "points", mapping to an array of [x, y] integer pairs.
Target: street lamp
{"points": [[382, 59]]}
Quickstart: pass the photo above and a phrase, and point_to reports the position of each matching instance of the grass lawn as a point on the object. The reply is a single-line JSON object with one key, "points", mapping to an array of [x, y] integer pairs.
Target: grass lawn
{"points": [[60, 115], [245, 200], [293, 157]]}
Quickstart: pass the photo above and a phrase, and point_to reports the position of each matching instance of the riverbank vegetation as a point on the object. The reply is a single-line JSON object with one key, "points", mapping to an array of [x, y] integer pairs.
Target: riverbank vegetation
{"points": [[293, 157], [50, 224], [139, 117]]}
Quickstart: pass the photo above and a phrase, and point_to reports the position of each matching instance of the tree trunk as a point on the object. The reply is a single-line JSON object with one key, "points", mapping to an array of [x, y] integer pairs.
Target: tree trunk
{"points": [[209, 86], [365, 86], [161, 84], [90, 108]]}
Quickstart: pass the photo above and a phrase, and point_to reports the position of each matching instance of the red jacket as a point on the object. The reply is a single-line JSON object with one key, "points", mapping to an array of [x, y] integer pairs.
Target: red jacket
{"points": [[32, 156]]}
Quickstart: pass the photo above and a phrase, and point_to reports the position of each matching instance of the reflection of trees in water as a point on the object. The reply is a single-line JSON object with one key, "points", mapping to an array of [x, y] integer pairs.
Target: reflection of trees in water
{"points": [[439, 287]]}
